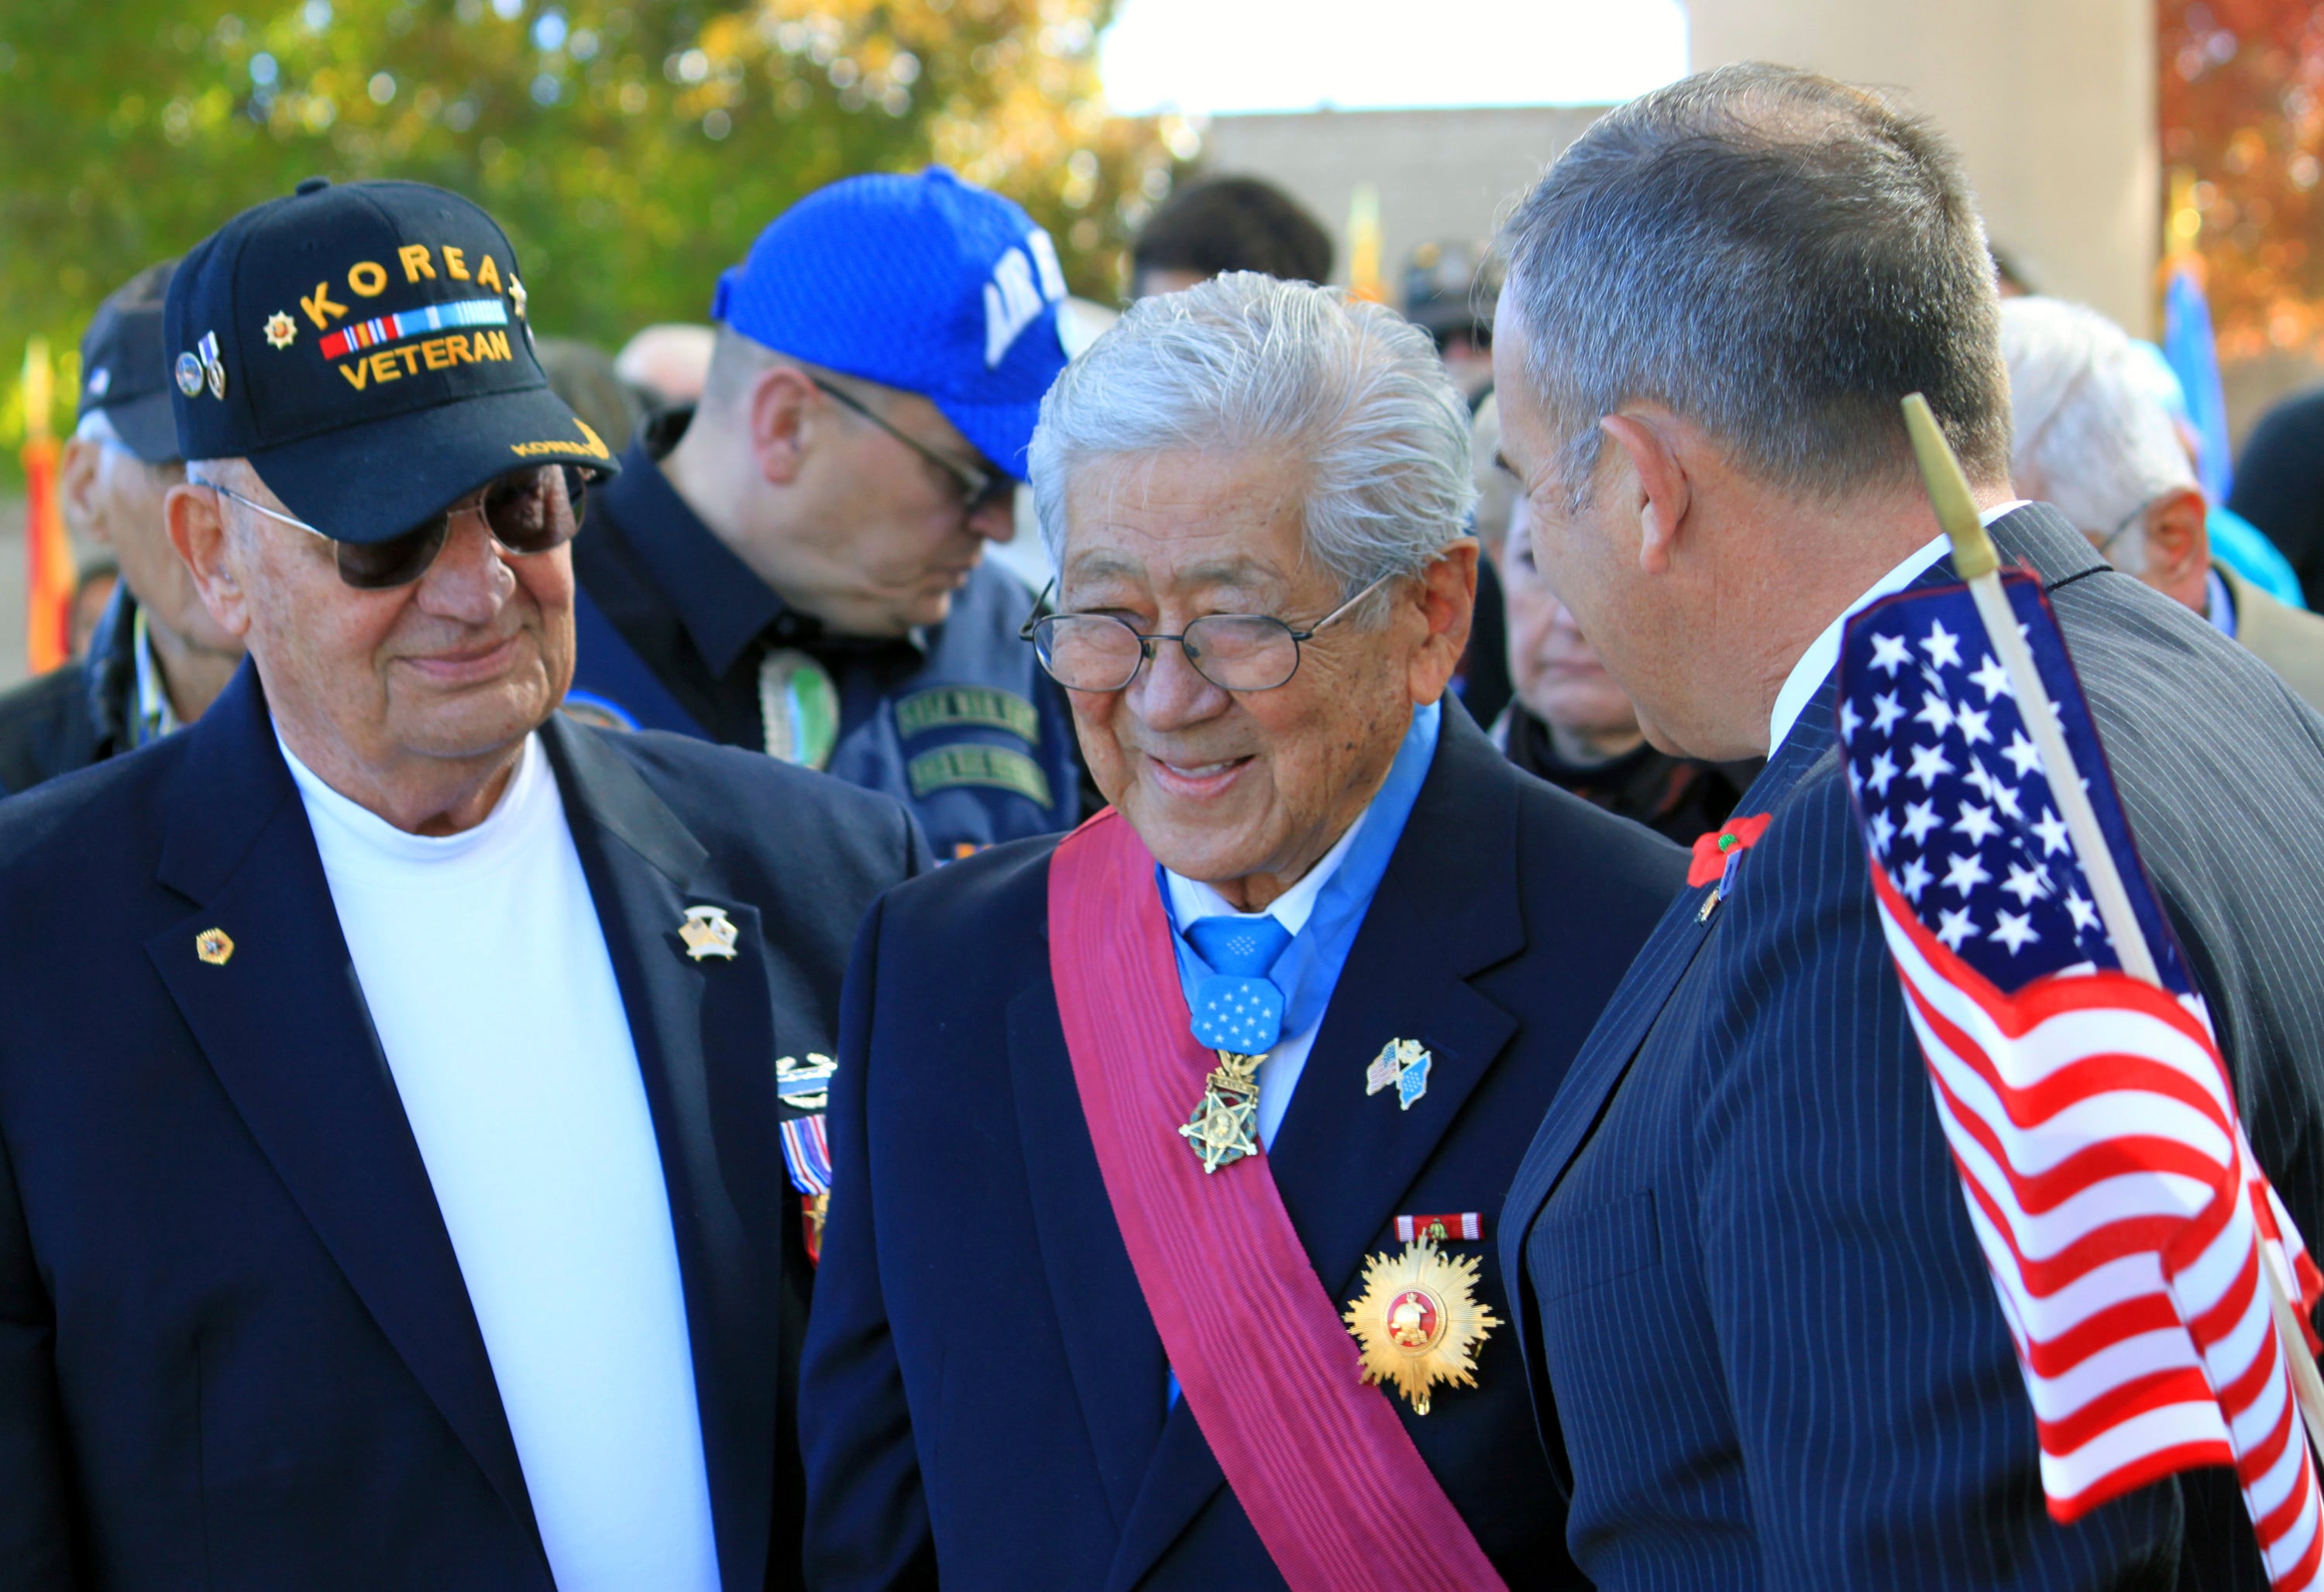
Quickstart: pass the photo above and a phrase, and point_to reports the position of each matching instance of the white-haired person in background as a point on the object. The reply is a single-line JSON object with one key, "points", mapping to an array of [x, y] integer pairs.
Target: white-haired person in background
{"points": [[2091, 437], [1146, 1137]]}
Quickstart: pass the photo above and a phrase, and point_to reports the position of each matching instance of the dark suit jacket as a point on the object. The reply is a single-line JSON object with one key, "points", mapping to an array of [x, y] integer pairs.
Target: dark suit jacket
{"points": [[984, 1391], [1747, 1272], [235, 1344]]}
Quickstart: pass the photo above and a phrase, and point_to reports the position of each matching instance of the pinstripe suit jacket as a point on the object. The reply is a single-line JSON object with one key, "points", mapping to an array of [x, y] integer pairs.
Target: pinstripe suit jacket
{"points": [[1747, 1280]]}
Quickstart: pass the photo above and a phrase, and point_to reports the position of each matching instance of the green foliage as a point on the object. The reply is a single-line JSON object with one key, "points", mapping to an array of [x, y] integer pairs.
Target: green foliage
{"points": [[632, 148]]}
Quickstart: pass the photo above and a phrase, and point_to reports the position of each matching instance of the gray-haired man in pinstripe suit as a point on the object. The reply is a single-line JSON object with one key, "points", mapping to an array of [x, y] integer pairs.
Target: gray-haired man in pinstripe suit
{"points": [[1760, 1328]]}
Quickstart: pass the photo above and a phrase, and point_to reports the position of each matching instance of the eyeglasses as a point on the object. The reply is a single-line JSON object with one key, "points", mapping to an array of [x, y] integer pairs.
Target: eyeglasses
{"points": [[2105, 544], [1234, 651], [528, 511], [979, 489]]}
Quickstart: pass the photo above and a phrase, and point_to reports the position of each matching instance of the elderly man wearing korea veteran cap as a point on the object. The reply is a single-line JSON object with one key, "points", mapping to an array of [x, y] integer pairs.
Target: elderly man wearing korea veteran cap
{"points": [[800, 572], [390, 1192]]}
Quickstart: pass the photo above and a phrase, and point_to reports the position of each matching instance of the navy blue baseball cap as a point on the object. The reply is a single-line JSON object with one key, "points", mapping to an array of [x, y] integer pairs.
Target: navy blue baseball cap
{"points": [[922, 283], [366, 347], [124, 376]]}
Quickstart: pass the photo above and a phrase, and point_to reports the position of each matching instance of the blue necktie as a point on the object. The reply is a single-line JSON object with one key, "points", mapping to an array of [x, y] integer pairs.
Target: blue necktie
{"points": [[1236, 1008]]}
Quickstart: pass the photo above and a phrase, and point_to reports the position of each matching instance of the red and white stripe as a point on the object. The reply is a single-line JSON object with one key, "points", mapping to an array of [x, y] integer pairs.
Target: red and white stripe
{"points": [[2124, 1220]]}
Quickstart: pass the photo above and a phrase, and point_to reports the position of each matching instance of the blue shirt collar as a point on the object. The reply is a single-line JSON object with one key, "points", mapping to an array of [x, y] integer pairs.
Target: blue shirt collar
{"points": [[1309, 968]]}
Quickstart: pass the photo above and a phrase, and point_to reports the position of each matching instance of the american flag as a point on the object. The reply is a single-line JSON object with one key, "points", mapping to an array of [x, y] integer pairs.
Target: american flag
{"points": [[2090, 1116]]}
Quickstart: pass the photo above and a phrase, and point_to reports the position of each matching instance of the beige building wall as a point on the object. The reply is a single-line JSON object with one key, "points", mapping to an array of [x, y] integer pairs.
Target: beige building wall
{"points": [[1440, 174], [2050, 102]]}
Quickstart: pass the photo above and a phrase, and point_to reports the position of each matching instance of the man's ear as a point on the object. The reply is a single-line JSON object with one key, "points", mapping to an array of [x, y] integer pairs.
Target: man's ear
{"points": [[194, 516], [78, 474], [782, 402], [1448, 602], [2178, 541], [1661, 491]]}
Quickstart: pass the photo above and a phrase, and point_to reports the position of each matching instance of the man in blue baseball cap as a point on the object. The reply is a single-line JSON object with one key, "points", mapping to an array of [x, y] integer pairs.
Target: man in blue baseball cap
{"points": [[796, 565], [389, 1090]]}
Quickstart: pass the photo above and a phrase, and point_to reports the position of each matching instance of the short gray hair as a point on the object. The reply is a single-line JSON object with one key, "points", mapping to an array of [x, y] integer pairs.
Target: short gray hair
{"points": [[1776, 256], [2091, 436], [1242, 362]]}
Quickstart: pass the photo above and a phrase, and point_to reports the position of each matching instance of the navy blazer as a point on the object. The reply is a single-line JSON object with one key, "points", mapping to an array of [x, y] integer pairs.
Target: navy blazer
{"points": [[235, 1350], [984, 1392], [1748, 1279]]}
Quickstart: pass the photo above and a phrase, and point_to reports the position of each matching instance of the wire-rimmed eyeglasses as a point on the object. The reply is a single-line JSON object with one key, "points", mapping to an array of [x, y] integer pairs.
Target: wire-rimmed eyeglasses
{"points": [[1099, 652], [978, 488], [2105, 544]]}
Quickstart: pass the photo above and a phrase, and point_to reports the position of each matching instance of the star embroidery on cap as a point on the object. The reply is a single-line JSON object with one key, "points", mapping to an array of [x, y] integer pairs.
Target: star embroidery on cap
{"points": [[281, 330], [516, 296]]}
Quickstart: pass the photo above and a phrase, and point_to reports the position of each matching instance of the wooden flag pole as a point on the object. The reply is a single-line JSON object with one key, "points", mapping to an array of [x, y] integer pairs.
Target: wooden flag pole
{"points": [[1976, 561]]}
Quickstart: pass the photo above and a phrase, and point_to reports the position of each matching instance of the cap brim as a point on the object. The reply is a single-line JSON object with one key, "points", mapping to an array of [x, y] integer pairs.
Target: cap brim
{"points": [[369, 482], [1001, 432], [146, 427]]}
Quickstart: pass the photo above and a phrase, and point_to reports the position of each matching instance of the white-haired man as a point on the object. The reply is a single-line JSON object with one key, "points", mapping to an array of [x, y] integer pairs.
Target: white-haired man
{"points": [[2091, 439], [1117, 1120], [389, 1105]]}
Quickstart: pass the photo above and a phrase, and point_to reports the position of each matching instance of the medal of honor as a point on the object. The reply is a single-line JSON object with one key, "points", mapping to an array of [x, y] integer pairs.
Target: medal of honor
{"points": [[1418, 1322], [1221, 1128]]}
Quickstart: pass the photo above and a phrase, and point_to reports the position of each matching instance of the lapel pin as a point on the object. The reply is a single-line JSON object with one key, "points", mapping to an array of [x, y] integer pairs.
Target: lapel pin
{"points": [[213, 946], [1716, 855], [805, 1086], [708, 930], [1404, 1063]]}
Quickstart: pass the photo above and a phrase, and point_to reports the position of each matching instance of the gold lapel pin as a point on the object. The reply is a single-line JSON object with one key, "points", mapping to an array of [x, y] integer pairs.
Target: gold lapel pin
{"points": [[213, 946], [708, 930]]}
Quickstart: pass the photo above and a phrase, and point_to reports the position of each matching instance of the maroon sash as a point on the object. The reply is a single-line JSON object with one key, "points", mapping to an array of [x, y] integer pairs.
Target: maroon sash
{"points": [[1320, 1462]]}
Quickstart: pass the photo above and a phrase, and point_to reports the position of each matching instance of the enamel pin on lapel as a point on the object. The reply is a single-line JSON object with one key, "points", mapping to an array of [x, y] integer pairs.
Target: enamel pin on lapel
{"points": [[708, 930], [213, 946], [1404, 1063]]}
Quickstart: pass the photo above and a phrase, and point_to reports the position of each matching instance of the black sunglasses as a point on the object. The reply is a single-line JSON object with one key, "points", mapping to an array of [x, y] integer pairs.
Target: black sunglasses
{"points": [[979, 489], [528, 511]]}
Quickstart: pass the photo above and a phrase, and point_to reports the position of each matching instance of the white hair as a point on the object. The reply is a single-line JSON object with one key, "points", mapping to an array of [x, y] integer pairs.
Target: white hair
{"points": [[1245, 363], [2091, 434]]}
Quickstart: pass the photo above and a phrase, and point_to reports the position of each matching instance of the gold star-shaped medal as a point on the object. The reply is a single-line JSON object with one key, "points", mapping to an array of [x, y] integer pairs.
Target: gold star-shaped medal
{"points": [[281, 330], [1418, 1322], [1223, 1126], [213, 946]]}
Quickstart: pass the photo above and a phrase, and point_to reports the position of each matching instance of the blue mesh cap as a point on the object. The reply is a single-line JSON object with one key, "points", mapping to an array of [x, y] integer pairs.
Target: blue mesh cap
{"points": [[922, 283]]}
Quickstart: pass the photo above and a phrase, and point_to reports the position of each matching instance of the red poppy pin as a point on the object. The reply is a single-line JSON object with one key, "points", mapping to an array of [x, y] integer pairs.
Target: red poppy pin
{"points": [[1717, 853]]}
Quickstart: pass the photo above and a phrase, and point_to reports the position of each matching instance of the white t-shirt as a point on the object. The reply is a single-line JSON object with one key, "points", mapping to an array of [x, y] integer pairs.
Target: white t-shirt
{"points": [[487, 979]]}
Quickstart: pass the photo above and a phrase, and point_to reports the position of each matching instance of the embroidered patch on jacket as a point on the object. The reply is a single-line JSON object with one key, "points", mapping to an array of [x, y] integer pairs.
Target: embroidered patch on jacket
{"points": [[995, 766], [984, 706]]}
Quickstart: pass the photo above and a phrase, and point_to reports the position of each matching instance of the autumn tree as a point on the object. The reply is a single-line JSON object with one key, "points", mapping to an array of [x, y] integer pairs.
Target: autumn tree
{"points": [[2242, 110], [632, 148]]}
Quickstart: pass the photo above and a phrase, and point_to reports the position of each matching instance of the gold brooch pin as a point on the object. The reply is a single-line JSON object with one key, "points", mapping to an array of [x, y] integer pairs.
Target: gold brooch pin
{"points": [[213, 946], [708, 930], [1418, 1322]]}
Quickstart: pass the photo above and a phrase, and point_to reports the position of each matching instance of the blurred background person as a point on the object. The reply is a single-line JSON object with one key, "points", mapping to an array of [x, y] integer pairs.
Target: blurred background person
{"points": [[93, 588], [1571, 726], [2236, 544], [796, 564], [1449, 291], [1227, 224], [590, 382], [2090, 437], [666, 363], [155, 658], [1482, 681], [2280, 485]]}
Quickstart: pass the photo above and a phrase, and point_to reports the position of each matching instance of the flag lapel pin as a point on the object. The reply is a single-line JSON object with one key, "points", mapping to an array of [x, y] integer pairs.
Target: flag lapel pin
{"points": [[1402, 1064], [707, 932]]}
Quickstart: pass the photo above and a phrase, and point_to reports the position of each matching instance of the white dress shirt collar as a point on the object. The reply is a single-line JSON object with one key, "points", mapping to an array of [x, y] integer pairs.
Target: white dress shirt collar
{"points": [[1192, 900], [1822, 656]]}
